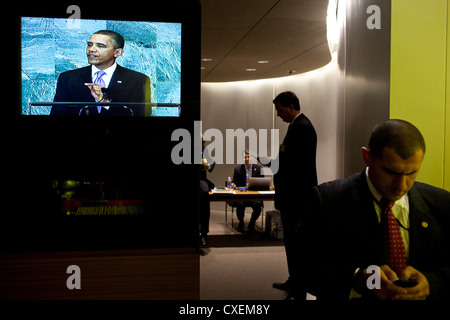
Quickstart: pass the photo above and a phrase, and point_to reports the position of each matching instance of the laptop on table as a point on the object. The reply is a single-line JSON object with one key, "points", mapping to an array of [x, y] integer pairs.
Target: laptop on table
{"points": [[259, 184]]}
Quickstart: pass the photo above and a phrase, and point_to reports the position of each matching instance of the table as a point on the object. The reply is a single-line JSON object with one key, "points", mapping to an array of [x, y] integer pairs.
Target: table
{"points": [[237, 195]]}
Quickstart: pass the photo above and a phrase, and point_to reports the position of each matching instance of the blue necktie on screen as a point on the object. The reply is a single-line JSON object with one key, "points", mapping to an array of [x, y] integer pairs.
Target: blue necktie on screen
{"points": [[98, 80]]}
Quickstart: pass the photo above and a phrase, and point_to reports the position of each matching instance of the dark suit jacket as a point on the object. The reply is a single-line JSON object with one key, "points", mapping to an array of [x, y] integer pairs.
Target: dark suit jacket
{"points": [[125, 86], [341, 232], [297, 172], [240, 174]]}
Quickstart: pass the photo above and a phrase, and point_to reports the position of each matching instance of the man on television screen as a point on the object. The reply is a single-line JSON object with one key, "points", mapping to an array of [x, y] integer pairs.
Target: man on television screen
{"points": [[103, 81]]}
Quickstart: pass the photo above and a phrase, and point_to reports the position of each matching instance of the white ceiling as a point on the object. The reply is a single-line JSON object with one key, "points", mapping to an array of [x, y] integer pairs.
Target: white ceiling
{"points": [[236, 34]]}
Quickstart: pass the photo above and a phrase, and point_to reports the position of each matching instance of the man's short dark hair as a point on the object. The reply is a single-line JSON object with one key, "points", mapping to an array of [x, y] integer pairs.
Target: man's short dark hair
{"points": [[399, 135], [117, 39], [287, 98]]}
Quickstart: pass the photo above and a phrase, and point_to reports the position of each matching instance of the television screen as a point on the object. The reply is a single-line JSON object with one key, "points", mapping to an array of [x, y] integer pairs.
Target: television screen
{"points": [[59, 60]]}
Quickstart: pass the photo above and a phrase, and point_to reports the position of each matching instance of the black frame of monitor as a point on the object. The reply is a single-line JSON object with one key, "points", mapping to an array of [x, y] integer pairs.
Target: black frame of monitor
{"points": [[31, 158]]}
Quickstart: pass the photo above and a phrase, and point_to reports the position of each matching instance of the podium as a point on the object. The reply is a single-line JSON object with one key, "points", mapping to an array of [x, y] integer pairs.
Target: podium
{"points": [[122, 109]]}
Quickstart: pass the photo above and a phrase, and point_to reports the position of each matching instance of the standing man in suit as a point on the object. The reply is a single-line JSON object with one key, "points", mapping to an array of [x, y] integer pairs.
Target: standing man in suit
{"points": [[103, 81], [241, 176], [343, 231], [296, 174]]}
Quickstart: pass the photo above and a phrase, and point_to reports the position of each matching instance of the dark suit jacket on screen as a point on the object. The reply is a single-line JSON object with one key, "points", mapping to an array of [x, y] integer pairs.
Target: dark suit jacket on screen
{"points": [[341, 233], [125, 86]]}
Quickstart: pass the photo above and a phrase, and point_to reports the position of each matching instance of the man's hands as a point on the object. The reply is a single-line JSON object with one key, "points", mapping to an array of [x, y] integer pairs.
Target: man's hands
{"points": [[389, 290], [96, 92]]}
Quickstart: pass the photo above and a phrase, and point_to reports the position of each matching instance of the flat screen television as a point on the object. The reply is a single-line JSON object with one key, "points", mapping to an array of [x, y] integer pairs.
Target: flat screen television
{"points": [[52, 46], [158, 45]]}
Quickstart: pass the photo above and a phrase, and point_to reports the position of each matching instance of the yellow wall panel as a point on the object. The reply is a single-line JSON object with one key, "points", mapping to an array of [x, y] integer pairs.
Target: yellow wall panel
{"points": [[419, 77]]}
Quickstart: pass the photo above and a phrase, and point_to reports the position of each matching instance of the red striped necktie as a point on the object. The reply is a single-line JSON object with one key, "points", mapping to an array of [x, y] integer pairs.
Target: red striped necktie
{"points": [[394, 245]]}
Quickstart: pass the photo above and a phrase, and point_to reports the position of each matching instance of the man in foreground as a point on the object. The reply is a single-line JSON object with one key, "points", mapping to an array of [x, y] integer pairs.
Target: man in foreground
{"points": [[379, 217]]}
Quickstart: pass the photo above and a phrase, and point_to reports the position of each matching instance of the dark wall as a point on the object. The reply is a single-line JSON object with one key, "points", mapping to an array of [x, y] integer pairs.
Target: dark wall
{"points": [[129, 157]]}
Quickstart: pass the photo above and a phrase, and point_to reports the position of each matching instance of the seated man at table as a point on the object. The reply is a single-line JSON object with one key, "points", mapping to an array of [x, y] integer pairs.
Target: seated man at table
{"points": [[102, 81], [241, 176]]}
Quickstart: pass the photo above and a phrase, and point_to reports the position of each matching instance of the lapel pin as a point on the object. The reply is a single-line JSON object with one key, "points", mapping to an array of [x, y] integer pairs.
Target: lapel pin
{"points": [[119, 81], [424, 224]]}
